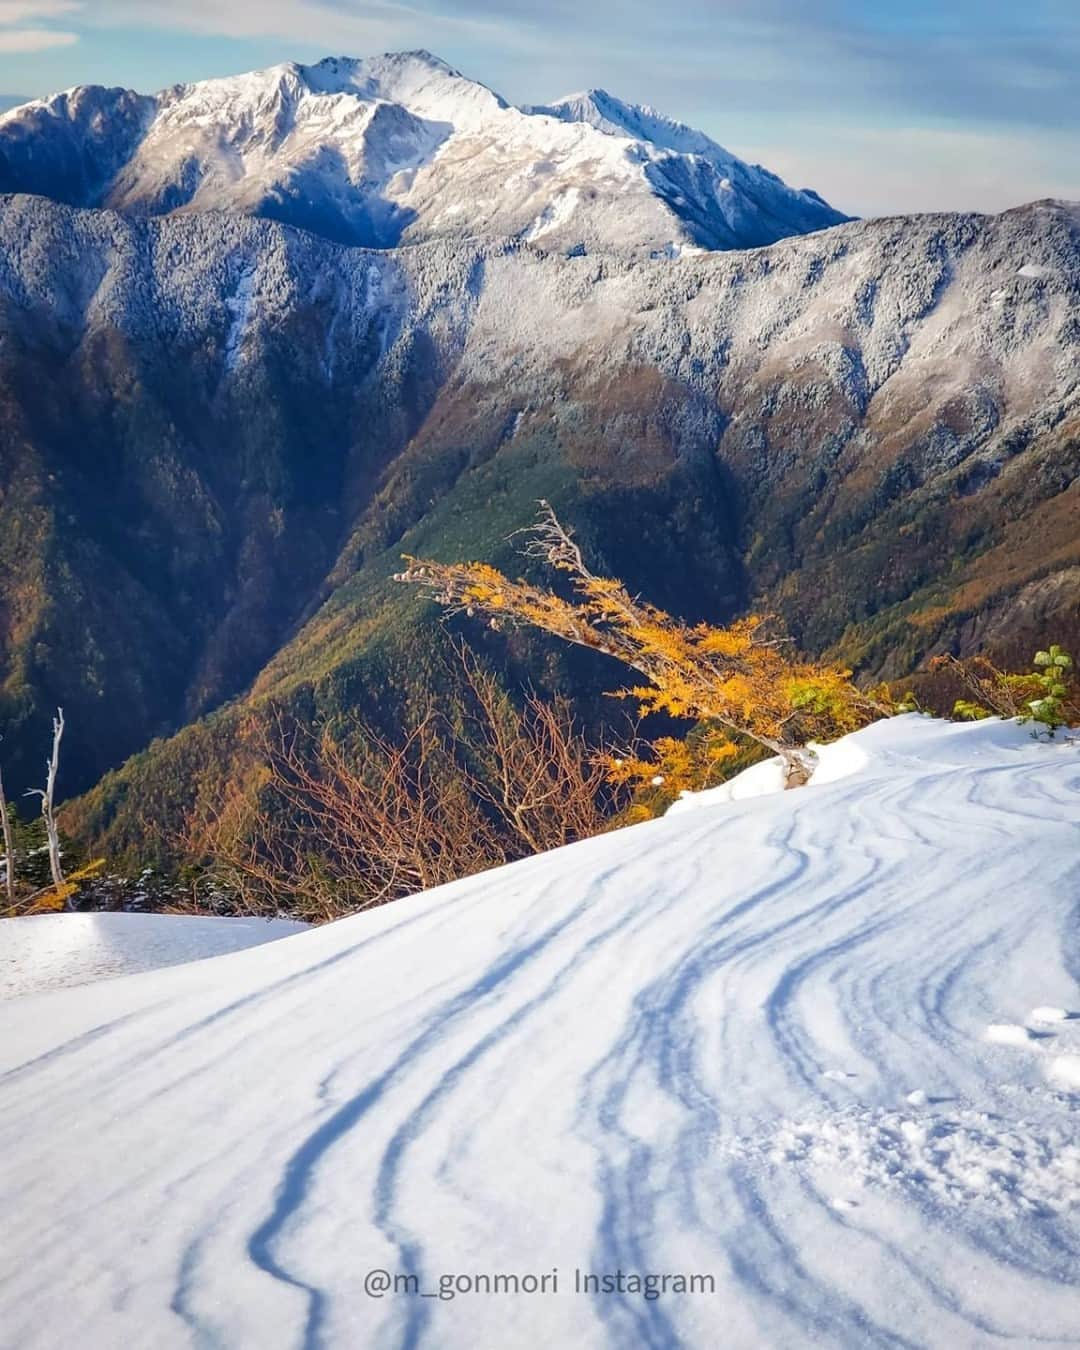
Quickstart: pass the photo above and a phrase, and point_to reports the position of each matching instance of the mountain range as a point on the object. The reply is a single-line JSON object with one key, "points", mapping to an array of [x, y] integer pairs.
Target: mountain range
{"points": [[260, 336], [401, 149]]}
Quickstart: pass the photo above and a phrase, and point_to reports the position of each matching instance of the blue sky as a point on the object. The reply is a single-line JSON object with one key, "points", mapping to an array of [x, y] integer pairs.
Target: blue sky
{"points": [[881, 105]]}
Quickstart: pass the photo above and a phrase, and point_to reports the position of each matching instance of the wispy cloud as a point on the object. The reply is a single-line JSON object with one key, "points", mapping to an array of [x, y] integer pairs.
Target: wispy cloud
{"points": [[19, 32], [13, 40], [341, 25], [19, 11]]}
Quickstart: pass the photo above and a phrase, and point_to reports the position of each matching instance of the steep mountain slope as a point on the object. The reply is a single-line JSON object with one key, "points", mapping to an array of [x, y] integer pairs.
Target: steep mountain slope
{"points": [[218, 429], [821, 1048], [697, 176], [398, 149]]}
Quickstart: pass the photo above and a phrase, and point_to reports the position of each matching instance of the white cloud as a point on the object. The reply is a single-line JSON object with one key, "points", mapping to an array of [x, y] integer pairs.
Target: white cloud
{"points": [[19, 11], [34, 39], [18, 40]]}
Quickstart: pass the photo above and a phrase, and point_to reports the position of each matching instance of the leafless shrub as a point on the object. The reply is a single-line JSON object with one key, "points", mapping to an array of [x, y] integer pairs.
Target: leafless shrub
{"points": [[331, 821]]}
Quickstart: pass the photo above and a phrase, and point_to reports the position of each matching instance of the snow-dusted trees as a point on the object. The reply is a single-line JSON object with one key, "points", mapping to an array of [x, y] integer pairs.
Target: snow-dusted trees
{"points": [[743, 679]]}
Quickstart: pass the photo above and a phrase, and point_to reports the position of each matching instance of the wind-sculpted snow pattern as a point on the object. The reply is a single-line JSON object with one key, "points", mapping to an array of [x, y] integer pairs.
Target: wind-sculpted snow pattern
{"points": [[745, 1045]]}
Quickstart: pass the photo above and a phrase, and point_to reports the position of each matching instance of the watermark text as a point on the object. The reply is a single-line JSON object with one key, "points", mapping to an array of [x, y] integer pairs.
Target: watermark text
{"points": [[380, 1283]]}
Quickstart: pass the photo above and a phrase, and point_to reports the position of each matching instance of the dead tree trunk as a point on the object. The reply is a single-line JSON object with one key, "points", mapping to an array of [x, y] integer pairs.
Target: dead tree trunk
{"points": [[47, 803], [52, 834]]}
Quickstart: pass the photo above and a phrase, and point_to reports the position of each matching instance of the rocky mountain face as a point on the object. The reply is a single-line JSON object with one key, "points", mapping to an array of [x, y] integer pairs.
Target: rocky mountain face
{"points": [[219, 432], [401, 149]]}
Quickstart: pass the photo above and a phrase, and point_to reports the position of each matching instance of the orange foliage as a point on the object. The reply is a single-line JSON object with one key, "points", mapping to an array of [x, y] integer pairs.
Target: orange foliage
{"points": [[743, 678]]}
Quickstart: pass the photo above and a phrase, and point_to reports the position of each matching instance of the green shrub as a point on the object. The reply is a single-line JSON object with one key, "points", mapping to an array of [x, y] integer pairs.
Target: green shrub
{"points": [[1051, 673]]}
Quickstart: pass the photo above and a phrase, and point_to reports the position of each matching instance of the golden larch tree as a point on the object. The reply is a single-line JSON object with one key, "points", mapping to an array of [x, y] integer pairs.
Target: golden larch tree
{"points": [[743, 678]]}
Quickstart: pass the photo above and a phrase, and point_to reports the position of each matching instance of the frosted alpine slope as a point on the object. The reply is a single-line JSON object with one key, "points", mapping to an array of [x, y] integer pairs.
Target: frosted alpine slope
{"points": [[397, 149], [697, 177], [749, 1041]]}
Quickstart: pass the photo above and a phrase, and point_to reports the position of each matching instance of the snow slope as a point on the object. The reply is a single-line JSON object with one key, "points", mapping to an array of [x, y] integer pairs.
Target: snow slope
{"points": [[397, 149], [748, 1041], [54, 951]]}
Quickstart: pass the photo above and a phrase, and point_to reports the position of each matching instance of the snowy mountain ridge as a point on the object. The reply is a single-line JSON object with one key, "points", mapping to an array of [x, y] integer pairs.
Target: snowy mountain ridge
{"points": [[641, 122], [396, 149], [821, 1047]]}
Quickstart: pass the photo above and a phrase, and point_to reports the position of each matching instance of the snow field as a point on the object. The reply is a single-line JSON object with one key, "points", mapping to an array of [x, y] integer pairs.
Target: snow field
{"points": [[748, 1041]]}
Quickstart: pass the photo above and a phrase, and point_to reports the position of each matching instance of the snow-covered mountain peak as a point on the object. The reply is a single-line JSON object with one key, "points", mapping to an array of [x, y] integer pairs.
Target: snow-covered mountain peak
{"points": [[641, 122], [597, 108], [424, 84], [400, 148]]}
